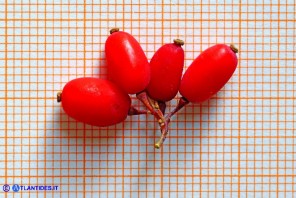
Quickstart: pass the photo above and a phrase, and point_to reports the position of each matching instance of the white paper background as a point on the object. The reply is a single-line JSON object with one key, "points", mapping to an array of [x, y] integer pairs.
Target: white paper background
{"points": [[241, 143]]}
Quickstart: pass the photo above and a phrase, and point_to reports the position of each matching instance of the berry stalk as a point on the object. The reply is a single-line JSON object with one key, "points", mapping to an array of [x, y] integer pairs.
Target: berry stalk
{"points": [[152, 106], [182, 102], [133, 111], [162, 106], [156, 110]]}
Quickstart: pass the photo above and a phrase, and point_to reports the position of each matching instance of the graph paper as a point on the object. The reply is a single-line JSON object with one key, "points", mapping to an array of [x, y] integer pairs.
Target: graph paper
{"points": [[240, 143]]}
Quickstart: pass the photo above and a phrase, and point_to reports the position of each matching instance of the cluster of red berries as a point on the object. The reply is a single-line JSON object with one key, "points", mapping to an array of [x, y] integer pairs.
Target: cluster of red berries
{"points": [[102, 102]]}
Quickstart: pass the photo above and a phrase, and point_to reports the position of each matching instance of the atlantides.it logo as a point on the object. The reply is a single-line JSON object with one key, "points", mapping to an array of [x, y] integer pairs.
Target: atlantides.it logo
{"points": [[17, 188]]}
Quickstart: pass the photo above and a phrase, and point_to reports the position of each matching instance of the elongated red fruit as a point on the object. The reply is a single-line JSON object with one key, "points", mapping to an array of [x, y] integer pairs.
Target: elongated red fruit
{"points": [[166, 71], [127, 63], [208, 73], [95, 101]]}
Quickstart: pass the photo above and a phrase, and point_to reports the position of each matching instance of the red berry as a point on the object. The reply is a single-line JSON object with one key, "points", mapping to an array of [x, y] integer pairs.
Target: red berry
{"points": [[208, 73], [166, 71], [127, 63], [95, 101]]}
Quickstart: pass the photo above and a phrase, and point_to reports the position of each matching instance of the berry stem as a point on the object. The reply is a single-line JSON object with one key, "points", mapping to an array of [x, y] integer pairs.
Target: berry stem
{"points": [[164, 132], [133, 111], [152, 106], [162, 106], [156, 110], [182, 102]]}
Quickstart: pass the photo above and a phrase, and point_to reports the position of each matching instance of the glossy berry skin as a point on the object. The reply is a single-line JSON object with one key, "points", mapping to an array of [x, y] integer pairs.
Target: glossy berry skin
{"points": [[95, 101], [127, 63], [166, 72], [208, 73]]}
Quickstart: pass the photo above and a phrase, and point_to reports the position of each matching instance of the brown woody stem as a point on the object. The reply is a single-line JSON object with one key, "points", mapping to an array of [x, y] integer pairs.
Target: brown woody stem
{"points": [[182, 102]]}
